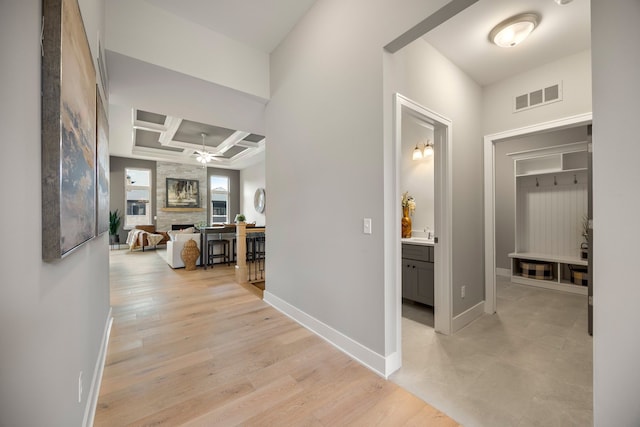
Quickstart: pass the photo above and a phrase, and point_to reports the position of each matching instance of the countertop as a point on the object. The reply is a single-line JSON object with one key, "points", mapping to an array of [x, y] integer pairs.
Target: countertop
{"points": [[418, 241]]}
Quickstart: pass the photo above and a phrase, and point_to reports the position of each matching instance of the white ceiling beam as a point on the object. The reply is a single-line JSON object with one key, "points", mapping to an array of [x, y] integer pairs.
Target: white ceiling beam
{"points": [[153, 127], [249, 144], [233, 139], [171, 127]]}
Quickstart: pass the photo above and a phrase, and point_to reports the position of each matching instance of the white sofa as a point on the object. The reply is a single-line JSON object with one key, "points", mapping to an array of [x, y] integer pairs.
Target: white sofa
{"points": [[175, 246]]}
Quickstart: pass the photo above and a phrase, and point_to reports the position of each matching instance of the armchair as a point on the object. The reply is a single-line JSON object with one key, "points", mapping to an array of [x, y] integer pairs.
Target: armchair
{"points": [[151, 229]]}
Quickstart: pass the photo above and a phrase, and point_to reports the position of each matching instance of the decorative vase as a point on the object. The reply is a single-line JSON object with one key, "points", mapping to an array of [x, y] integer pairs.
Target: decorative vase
{"points": [[406, 223], [190, 254]]}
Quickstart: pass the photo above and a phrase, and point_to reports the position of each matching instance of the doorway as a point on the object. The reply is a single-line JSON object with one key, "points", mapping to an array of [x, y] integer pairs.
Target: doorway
{"points": [[405, 109], [490, 193]]}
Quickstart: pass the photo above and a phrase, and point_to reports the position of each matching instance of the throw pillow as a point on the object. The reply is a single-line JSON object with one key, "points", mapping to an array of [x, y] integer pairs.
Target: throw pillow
{"points": [[183, 237], [173, 233]]}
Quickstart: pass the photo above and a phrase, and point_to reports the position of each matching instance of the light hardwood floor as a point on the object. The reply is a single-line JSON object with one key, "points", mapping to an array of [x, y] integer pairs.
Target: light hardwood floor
{"points": [[195, 348]]}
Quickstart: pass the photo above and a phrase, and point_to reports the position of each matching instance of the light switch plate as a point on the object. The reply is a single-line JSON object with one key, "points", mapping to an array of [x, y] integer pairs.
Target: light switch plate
{"points": [[366, 225]]}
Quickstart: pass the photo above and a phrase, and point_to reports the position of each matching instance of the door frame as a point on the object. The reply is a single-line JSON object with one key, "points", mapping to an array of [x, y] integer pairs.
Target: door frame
{"points": [[490, 304], [443, 213]]}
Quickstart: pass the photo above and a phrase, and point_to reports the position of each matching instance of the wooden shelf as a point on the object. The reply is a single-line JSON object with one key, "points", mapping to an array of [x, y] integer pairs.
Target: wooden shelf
{"points": [[182, 209]]}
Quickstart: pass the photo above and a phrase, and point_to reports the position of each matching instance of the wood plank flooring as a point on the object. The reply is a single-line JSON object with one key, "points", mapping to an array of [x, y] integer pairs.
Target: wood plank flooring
{"points": [[194, 348]]}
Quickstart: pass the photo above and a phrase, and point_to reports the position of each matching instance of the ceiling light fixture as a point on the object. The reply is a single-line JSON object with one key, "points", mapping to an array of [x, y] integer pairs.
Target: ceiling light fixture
{"points": [[514, 30], [204, 156], [563, 2], [425, 151]]}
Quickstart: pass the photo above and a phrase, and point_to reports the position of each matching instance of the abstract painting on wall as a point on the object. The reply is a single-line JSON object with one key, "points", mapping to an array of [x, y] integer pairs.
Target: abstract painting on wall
{"points": [[102, 162], [182, 193], [68, 131]]}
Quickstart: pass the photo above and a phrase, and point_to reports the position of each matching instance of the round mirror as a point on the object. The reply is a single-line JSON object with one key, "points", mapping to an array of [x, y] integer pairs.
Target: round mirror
{"points": [[258, 200]]}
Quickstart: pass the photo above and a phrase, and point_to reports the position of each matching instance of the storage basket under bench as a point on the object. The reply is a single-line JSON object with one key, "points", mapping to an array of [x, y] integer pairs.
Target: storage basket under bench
{"points": [[549, 271], [540, 270]]}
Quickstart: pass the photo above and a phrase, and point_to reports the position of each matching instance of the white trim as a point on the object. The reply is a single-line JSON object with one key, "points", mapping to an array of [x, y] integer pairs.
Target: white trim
{"points": [[548, 284], [92, 398], [354, 349], [503, 272], [393, 363], [468, 316], [443, 138], [489, 193], [574, 147]]}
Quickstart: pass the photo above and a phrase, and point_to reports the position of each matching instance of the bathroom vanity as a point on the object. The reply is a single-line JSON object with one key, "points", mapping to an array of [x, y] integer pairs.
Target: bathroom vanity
{"points": [[418, 270]]}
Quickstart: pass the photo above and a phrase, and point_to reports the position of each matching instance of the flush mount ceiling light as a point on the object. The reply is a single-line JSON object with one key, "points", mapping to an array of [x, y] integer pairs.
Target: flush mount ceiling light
{"points": [[204, 156], [514, 30], [425, 151], [563, 2]]}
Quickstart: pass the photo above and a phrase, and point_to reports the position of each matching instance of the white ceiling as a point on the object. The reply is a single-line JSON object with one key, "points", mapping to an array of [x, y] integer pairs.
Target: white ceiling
{"points": [[261, 24], [137, 85], [562, 31]]}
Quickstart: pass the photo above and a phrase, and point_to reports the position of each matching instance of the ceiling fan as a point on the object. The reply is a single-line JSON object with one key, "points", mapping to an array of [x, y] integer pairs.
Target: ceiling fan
{"points": [[205, 156]]}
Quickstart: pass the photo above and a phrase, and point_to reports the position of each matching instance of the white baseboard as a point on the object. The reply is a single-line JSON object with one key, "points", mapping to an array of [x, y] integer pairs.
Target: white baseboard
{"points": [[503, 272], [463, 319], [92, 398], [354, 349], [394, 362]]}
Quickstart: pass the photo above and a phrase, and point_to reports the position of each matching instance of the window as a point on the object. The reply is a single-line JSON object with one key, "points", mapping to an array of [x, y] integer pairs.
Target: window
{"points": [[219, 186], [137, 190]]}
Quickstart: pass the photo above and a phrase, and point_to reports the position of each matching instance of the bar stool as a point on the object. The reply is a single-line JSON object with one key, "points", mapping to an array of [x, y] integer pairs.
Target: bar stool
{"points": [[211, 255], [250, 248]]}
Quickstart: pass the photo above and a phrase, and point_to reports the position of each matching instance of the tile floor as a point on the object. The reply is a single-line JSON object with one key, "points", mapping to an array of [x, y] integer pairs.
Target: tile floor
{"points": [[528, 365]]}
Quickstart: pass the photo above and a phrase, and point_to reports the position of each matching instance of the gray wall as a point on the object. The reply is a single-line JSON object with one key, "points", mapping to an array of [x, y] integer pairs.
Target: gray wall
{"points": [[52, 315], [326, 165], [505, 183], [616, 66], [116, 186], [573, 71], [424, 75]]}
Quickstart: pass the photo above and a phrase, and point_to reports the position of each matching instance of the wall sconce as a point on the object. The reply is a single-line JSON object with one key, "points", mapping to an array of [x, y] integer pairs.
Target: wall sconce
{"points": [[425, 151]]}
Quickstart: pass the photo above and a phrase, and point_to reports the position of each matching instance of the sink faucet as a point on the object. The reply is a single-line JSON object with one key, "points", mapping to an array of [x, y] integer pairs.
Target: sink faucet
{"points": [[428, 233]]}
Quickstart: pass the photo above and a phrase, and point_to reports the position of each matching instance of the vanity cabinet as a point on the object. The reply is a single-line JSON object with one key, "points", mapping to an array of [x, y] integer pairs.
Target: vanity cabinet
{"points": [[417, 273]]}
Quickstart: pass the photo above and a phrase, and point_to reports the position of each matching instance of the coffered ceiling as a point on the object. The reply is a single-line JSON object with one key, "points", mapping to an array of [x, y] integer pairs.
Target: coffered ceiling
{"points": [[161, 136]]}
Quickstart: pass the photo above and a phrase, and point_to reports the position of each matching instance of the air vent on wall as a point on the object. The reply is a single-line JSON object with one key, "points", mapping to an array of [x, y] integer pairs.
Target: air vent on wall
{"points": [[538, 97]]}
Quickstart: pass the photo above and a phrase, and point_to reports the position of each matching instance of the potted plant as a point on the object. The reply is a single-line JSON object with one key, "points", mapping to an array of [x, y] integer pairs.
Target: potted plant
{"points": [[114, 225], [240, 218]]}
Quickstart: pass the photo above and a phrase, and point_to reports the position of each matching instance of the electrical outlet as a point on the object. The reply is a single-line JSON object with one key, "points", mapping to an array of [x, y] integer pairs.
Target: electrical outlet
{"points": [[366, 225], [80, 387], [463, 291]]}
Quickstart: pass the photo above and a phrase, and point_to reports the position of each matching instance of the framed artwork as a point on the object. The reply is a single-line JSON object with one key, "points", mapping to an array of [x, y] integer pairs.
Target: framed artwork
{"points": [[68, 131], [102, 162], [182, 193]]}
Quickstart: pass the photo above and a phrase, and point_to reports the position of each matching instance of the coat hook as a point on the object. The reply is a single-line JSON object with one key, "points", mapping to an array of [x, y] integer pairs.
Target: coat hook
{"points": [[537, 183], [575, 180], [555, 181]]}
